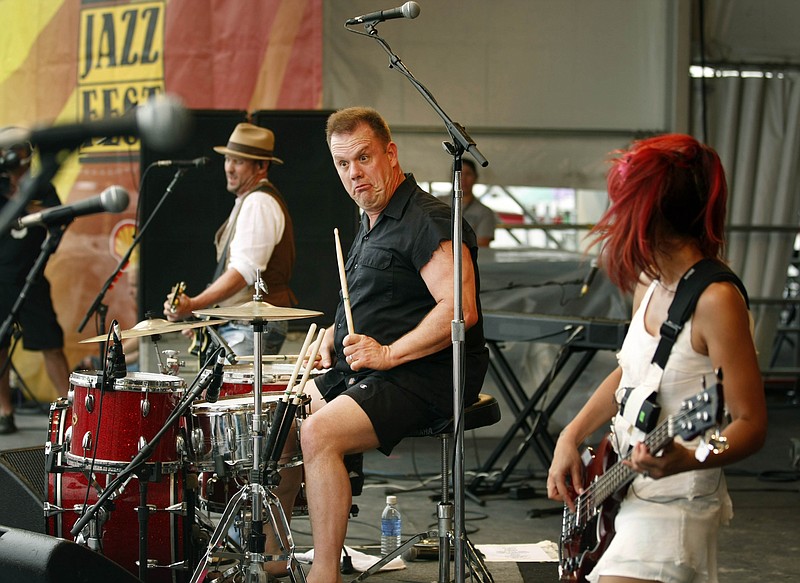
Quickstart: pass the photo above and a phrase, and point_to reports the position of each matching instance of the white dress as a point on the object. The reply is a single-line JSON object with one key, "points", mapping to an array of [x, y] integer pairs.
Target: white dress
{"points": [[666, 529]]}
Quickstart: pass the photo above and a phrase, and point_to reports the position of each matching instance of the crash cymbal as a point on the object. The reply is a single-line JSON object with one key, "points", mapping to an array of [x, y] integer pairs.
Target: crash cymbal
{"points": [[257, 311], [153, 326]]}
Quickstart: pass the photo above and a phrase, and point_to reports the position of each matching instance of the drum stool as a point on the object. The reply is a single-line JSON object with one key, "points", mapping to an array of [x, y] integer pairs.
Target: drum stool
{"points": [[484, 412]]}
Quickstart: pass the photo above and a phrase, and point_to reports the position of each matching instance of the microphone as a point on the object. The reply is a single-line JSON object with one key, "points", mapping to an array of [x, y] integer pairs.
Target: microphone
{"points": [[212, 393], [162, 122], [116, 357], [407, 10], [196, 163], [587, 281], [113, 199]]}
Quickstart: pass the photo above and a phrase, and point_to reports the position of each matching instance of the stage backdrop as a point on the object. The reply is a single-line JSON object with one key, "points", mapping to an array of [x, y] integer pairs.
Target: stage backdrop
{"points": [[80, 60]]}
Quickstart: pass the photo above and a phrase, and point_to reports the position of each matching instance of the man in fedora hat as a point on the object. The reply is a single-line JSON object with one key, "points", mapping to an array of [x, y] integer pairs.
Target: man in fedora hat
{"points": [[258, 236]]}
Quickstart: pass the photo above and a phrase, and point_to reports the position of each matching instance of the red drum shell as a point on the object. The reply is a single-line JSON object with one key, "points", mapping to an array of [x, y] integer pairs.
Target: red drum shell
{"points": [[238, 379], [65, 497], [131, 414]]}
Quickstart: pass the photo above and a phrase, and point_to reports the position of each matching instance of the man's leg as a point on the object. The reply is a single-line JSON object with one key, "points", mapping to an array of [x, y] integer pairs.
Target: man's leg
{"points": [[6, 406], [340, 427], [55, 363]]}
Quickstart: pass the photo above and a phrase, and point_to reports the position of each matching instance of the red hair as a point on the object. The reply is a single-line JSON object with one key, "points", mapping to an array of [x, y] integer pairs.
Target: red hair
{"points": [[661, 188]]}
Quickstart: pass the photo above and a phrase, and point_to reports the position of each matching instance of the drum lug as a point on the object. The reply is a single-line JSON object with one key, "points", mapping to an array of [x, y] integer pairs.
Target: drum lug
{"points": [[86, 442], [180, 446], [88, 403], [145, 406], [142, 442], [67, 437], [197, 441], [230, 439]]}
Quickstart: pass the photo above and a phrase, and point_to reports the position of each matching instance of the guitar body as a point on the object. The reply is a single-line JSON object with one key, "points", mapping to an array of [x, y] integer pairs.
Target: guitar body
{"points": [[587, 532], [582, 547]]}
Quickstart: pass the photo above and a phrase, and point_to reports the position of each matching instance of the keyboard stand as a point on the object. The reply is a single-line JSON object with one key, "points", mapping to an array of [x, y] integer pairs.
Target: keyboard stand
{"points": [[536, 432]]}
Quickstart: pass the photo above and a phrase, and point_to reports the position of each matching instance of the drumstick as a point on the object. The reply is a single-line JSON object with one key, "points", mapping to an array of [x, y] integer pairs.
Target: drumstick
{"points": [[285, 412], [314, 351], [343, 279], [300, 358]]}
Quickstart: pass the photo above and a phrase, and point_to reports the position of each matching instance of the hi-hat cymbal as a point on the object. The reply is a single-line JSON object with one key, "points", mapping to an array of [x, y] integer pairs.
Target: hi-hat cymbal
{"points": [[257, 311], [154, 326]]}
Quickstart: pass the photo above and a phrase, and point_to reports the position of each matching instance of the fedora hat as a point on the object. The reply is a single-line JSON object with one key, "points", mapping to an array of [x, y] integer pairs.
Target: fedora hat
{"points": [[250, 141]]}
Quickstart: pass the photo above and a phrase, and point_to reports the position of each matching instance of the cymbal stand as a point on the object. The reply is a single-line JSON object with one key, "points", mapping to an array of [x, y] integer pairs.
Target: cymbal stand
{"points": [[261, 501]]}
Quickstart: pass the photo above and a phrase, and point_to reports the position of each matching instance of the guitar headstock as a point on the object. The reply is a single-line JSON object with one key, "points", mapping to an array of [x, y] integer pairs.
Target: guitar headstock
{"points": [[702, 412], [177, 289]]}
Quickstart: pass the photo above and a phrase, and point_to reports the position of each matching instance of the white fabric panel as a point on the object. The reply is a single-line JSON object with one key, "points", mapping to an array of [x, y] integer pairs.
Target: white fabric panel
{"points": [[754, 124], [555, 160], [600, 70], [752, 31]]}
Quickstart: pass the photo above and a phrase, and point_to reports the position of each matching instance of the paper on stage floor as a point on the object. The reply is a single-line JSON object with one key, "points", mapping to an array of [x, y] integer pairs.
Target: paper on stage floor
{"points": [[361, 561], [541, 552]]}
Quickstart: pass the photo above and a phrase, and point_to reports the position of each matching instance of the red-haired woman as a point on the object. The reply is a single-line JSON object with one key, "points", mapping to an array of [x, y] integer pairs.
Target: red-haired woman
{"points": [[667, 210]]}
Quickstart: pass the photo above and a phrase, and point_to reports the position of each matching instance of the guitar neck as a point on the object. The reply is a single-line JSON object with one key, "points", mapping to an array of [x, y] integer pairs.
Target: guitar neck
{"points": [[619, 474]]}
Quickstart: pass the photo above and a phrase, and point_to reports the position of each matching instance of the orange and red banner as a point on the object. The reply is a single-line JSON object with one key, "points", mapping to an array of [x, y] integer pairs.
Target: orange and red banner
{"points": [[78, 60]]}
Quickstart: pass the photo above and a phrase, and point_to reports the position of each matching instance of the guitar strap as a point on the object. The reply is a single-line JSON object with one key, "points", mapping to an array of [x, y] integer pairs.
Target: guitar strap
{"points": [[691, 285], [639, 407]]}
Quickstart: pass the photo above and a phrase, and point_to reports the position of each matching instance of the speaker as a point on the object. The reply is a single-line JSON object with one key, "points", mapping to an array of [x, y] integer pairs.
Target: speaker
{"points": [[32, 557], [178, 244], [22, 483]]}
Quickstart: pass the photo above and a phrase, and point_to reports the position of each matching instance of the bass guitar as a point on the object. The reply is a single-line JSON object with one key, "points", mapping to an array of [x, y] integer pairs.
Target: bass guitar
{"points": [[587, 532]]}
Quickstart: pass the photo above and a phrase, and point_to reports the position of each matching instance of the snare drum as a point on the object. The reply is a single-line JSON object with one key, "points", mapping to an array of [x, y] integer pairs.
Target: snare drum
{"points": [[238, 379], [118, 533], [219, 433], [110, 427]]}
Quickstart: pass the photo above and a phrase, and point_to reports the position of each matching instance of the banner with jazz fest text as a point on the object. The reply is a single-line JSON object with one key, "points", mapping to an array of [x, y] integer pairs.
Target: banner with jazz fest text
{"points": [[66, 61]]}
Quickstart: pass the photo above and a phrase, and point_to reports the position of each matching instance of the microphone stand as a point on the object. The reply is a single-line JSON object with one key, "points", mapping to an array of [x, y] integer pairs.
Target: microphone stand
{"points": [[137, 466], [461, 142], [98, 305]]}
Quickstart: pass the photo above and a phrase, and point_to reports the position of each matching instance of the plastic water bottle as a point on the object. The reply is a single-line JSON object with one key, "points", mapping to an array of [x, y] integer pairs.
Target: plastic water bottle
{"points": [[391, 526]]}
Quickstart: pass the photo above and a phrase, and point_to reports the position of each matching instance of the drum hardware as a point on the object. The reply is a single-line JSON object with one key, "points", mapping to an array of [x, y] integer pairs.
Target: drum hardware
{"points": [[173, 365], [138, 466], [261, 502]]}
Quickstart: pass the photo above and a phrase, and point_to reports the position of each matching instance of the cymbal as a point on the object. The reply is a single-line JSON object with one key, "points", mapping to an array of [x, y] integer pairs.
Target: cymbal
{"points": [[257, 311], [153, 326]]}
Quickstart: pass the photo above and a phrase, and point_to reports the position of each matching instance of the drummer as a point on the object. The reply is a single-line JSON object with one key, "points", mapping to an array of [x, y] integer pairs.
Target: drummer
{"points": [[393, 375], [257, 236]]}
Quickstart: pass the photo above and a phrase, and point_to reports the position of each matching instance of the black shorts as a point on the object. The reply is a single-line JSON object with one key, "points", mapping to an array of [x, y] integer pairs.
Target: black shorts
{"points": [[36, 317], [395, 412]]}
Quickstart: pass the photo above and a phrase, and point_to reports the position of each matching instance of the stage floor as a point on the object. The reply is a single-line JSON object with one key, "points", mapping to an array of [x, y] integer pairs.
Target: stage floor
{"points": [[759, 545]]}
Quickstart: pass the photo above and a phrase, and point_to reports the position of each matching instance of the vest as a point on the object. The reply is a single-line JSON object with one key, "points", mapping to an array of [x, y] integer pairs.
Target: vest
{"points": [[279, 267]]}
